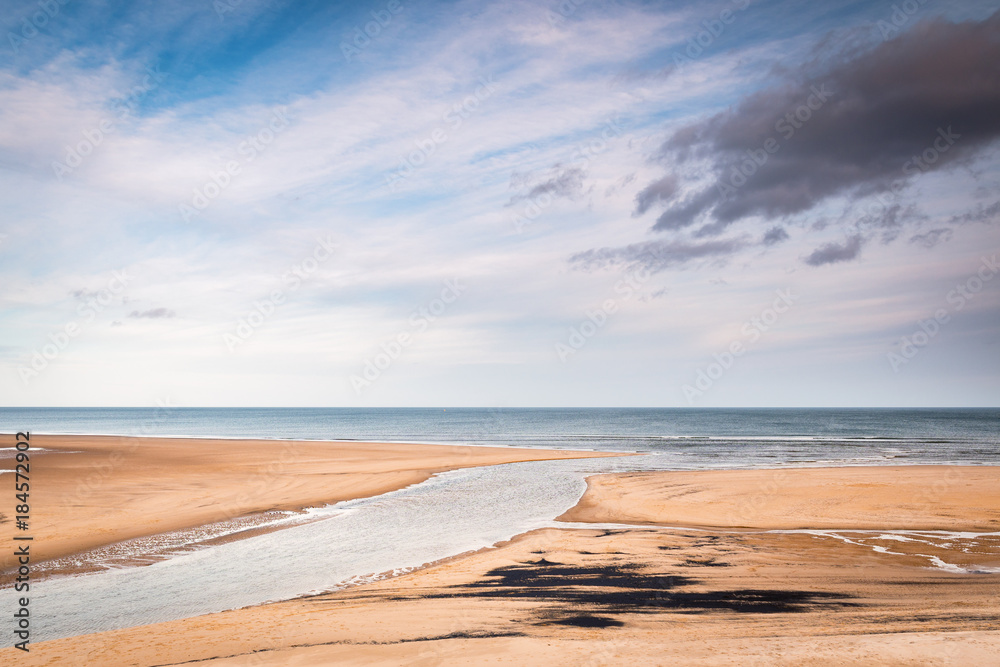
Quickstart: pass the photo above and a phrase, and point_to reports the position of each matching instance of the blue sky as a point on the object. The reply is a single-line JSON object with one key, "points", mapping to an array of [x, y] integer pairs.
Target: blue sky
{"points": [[511, 204]]}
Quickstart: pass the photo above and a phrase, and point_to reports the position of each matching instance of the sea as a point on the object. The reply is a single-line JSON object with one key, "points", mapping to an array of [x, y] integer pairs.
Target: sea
{"points": [[691, 438], [353, 542]]}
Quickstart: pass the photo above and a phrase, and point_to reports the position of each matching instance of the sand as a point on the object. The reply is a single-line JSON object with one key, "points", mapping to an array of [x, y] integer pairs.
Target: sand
{"points": [[870, 498], [91, 491], [647, 595]]}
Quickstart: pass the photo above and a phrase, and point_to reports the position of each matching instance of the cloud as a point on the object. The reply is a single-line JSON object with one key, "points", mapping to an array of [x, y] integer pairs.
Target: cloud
{"points": [[894, 216], [831, 253], [565, 182], [622, 182], [774, 236], [154, 314], [932, 238], [866, 125], [891, 220], [655, 256], [980, 214], [657, 191]]}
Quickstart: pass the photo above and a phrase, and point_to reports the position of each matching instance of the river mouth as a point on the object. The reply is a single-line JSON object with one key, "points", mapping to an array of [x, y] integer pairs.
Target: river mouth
{"points": [[280, 556]]}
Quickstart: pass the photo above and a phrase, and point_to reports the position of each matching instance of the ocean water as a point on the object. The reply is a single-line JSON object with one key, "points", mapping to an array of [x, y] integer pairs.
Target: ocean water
{"points": [[454, 512], [693, 438]]}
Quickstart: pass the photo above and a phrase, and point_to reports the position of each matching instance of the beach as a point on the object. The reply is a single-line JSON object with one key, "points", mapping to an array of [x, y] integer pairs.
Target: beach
{"points": [[789, 566], [916, 497]]}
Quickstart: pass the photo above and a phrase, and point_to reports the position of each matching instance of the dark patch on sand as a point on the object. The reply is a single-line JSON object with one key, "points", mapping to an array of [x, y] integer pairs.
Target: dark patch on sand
{"points": [[587, 621], [626, 588], [702, 562]]}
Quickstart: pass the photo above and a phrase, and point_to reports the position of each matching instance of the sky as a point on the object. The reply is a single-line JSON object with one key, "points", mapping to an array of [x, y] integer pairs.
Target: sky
{"points": [[472, 203]]}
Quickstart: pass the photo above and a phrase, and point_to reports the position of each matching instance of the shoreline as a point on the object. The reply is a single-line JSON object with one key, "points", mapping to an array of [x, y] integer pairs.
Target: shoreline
{"points": [[172, 436]]}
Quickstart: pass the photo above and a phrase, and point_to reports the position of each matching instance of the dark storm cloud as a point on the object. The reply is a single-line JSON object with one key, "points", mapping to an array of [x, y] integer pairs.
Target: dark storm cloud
{"points": [[831, 253], [910, 105], [866, 127], [155, 313], [655, 255]]}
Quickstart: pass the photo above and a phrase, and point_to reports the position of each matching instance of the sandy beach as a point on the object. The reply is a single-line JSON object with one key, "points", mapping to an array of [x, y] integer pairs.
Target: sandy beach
{"points": [[863, 498], [698, 580]]}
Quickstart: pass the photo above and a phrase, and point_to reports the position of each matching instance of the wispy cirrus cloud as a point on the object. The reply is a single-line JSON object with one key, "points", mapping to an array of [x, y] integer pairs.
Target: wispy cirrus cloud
{"points": [[656, 256]]}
